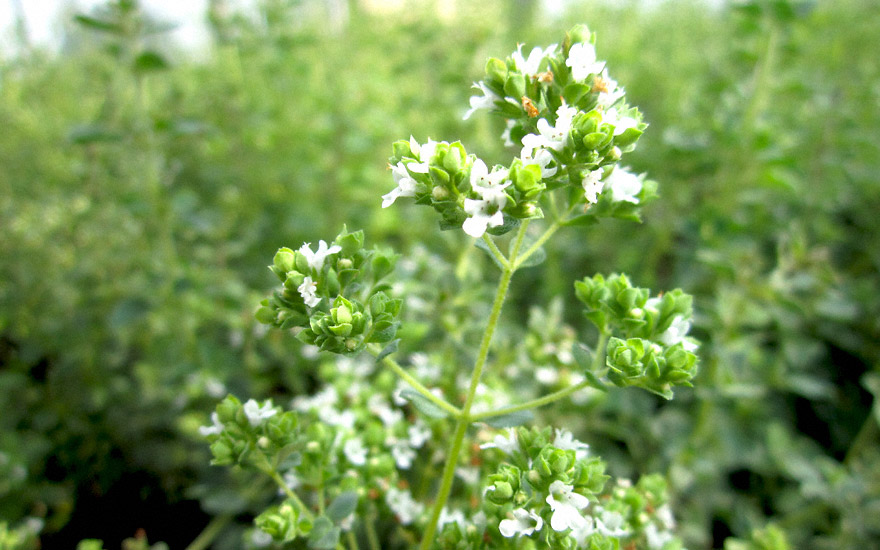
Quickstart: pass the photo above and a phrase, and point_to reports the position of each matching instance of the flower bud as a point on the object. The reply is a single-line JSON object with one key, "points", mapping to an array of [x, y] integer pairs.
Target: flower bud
{"points": [[440, 194]]}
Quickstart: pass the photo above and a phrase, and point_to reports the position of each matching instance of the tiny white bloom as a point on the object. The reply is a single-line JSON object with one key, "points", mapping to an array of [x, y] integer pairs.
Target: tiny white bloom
{"points": [[592, 184], [308, 292], [505, 135], [403, 505], [539, 156], [566, 441], [656, 538], [676, 333], [664, 514], [257, 414], [610, 524], [215, 429], [331, 416], [624, 186], [610, 92], [547, 375], [325, 398], [378, 406], [485, 182], [479, 218], [455, 516], [621, 123], [419, 434], [469, 475], [566, 506], [524, 522], [507, 444], [532, 65], [425, 152], [582, 60], [485, 101], [402, 453], [316, 259], [406, 185], [552, 137], [355, 451]]}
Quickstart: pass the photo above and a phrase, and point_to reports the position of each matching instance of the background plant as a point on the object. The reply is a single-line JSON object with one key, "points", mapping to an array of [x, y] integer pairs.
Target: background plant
{"points": [[767, 219]]}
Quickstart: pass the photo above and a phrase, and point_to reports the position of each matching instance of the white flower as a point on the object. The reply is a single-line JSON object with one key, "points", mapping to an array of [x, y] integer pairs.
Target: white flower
{"points": [[506, 444], [486, 101], [592, 184], [402, 453], [488, 185], [609, 91], [257, 414], [676, 333], [331, 416], [424, 152], [316, 259], [547, 375], [215, 429], [540, 157], [655, 538], [471, 476], [582, 532], [566, 441], [610, 524], [505, 135], [552, 137], [664, 514], [566, 506], [402, 504], [524, 522], [621, 123], [532, 65], [325, 398], [377, 405], [456, 516], [624, 186], [355, 451], [419, 434], [406, 185], [308, 290], [582, 60]]}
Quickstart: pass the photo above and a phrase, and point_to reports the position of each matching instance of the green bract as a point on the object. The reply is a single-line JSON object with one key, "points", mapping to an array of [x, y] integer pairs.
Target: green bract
{"points": [[337, 299]]}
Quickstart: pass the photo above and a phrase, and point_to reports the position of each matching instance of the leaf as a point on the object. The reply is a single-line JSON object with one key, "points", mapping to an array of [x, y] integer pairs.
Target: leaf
{"points": [[98, 24], [149, 61], [342, 506], [537, 257], [423, 404], [509, 224], [388, 350], [324, 535], [510, 420], [83, 134], [481, 244]]}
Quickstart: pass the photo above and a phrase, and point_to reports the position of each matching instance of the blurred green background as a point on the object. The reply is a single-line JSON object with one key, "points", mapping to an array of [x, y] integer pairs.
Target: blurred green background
{"points": [[143, 189]]}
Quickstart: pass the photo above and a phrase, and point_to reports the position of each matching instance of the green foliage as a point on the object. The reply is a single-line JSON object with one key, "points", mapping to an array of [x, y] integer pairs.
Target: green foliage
{"points": [[140, 187]]}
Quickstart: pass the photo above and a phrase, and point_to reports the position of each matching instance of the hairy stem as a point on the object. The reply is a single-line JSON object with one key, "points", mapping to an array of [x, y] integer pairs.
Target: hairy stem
{"points": [[464, 419]]}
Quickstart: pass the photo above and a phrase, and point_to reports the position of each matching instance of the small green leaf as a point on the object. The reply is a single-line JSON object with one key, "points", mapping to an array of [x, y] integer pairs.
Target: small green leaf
{"points": [[342, 506], [149, 61], [481, 244], [83, 134], [98, 24], [510, 420], [324, 535], [536, 258], [388, 350], [423, 404]]}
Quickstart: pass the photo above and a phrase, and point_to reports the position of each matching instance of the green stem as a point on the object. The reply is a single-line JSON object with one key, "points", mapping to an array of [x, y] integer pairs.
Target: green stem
{"points": [[553, 228], [210, 532], [464, 419], [550, 397], [375, 349], [495, 252], [370, 528], [352, 541]]}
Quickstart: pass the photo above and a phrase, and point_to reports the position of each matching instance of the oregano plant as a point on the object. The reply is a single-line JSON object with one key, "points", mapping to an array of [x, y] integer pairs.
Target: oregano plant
{"points": [[440, 448]]}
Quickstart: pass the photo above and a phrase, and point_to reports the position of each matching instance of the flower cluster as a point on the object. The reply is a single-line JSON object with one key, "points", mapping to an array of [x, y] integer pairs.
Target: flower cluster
{"points": [[573, 125], [549, 488], [335, 295], [648, 345]]}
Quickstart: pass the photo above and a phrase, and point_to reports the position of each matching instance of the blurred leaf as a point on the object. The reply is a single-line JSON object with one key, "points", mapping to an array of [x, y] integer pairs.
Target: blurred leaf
{"points": [[149, 61], [98, 24], [423, 404], [510, 420]]}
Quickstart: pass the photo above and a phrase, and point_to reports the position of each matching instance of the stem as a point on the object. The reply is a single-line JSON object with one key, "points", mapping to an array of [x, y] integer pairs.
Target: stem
{"points": [[550, 397], [495, 252], [464, 419], [210, 532], [352, 541], [370, 528], [416, 385], [553, 228]]}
